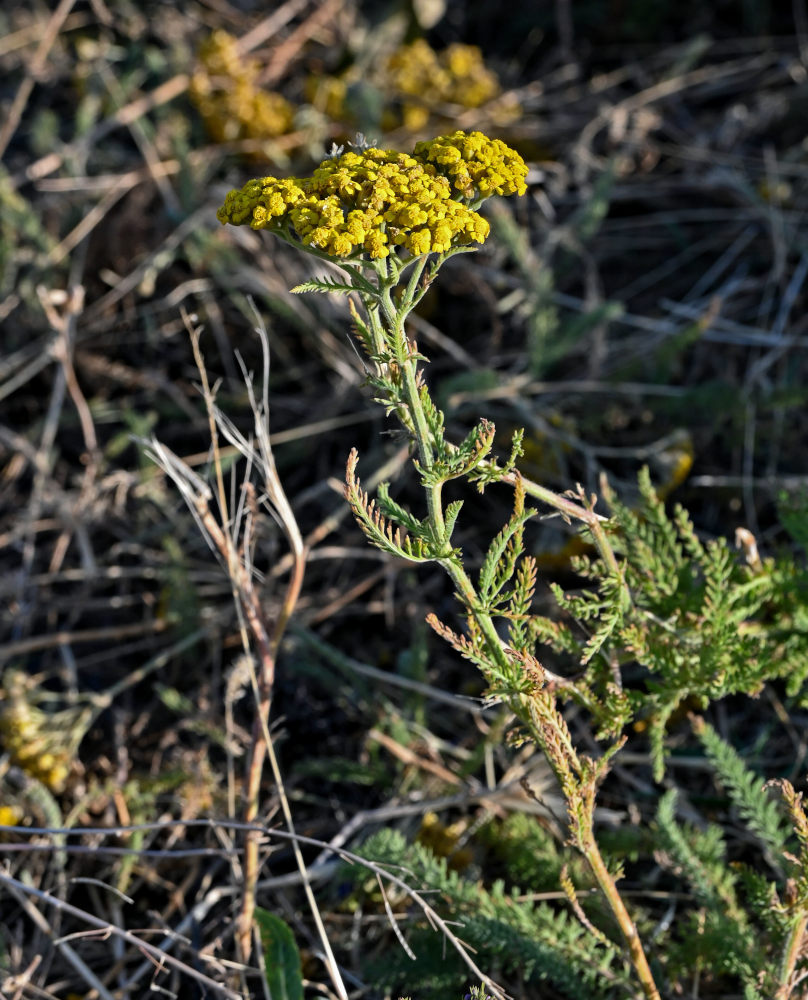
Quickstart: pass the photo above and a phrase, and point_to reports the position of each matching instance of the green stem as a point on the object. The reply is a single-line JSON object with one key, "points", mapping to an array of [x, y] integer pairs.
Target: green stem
{"points": [[413, 396], [465, 589], [570, 509], [381, 348], [394, 321], [409, 299], [379, 342], [791, 952], [459, 577], [423, 437], [627, 926]]}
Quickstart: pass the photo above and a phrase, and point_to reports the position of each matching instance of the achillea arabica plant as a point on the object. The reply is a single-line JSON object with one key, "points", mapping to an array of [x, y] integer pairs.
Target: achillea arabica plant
{"points": [[425, 80], [677, 617], [390, 221], [457, 74]]}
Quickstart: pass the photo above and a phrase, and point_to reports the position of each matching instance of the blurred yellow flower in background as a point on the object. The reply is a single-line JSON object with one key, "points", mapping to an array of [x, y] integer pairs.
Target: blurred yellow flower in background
{"points": [[227, 94]]}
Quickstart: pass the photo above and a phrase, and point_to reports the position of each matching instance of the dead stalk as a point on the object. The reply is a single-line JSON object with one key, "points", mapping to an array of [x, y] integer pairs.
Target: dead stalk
{"points": [[267, 652], [236, 553]]}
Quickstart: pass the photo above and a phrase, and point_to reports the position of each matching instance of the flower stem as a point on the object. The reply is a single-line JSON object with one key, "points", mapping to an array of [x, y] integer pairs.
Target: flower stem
{"points": [[628, 928], [468, 594], [791, 952]]}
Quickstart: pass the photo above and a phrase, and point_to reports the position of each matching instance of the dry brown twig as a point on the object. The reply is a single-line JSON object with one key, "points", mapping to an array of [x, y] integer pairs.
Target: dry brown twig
{"points": [[162, 957], [378, 870], [230, 534], [49, 35]]}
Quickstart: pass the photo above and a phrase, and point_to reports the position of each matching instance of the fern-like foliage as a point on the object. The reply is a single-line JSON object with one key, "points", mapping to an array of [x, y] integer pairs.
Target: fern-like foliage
{"points": [[699, 856], [700, 624], [500, 560], [719, 937], [329, 284], [519, 604], [752, 800], [492, 471], [530, 943], [324, 286], [382, 521], [530, 855], [454, 461], [746, 928], [473, 648]]}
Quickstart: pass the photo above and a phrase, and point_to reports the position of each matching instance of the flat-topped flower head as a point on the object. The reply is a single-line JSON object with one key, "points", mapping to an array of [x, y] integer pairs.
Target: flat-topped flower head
{"points": [[372, 201]]}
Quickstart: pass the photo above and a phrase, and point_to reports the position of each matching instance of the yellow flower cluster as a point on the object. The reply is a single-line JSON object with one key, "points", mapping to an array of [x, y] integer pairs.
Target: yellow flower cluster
{"points": [[226, 93], [457, 75], [375, 200], [476, 165], [41, 744], [421, 82]]}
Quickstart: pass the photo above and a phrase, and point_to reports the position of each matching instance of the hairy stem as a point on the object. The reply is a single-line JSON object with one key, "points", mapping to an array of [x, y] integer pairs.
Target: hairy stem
{"points": [[791, 952], [575, 511], [628, 928]]}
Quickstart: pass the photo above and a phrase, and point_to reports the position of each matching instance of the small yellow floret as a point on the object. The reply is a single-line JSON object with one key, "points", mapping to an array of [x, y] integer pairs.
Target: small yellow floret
{"points": [[10, 815], [419, 242], [376, 244]]}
